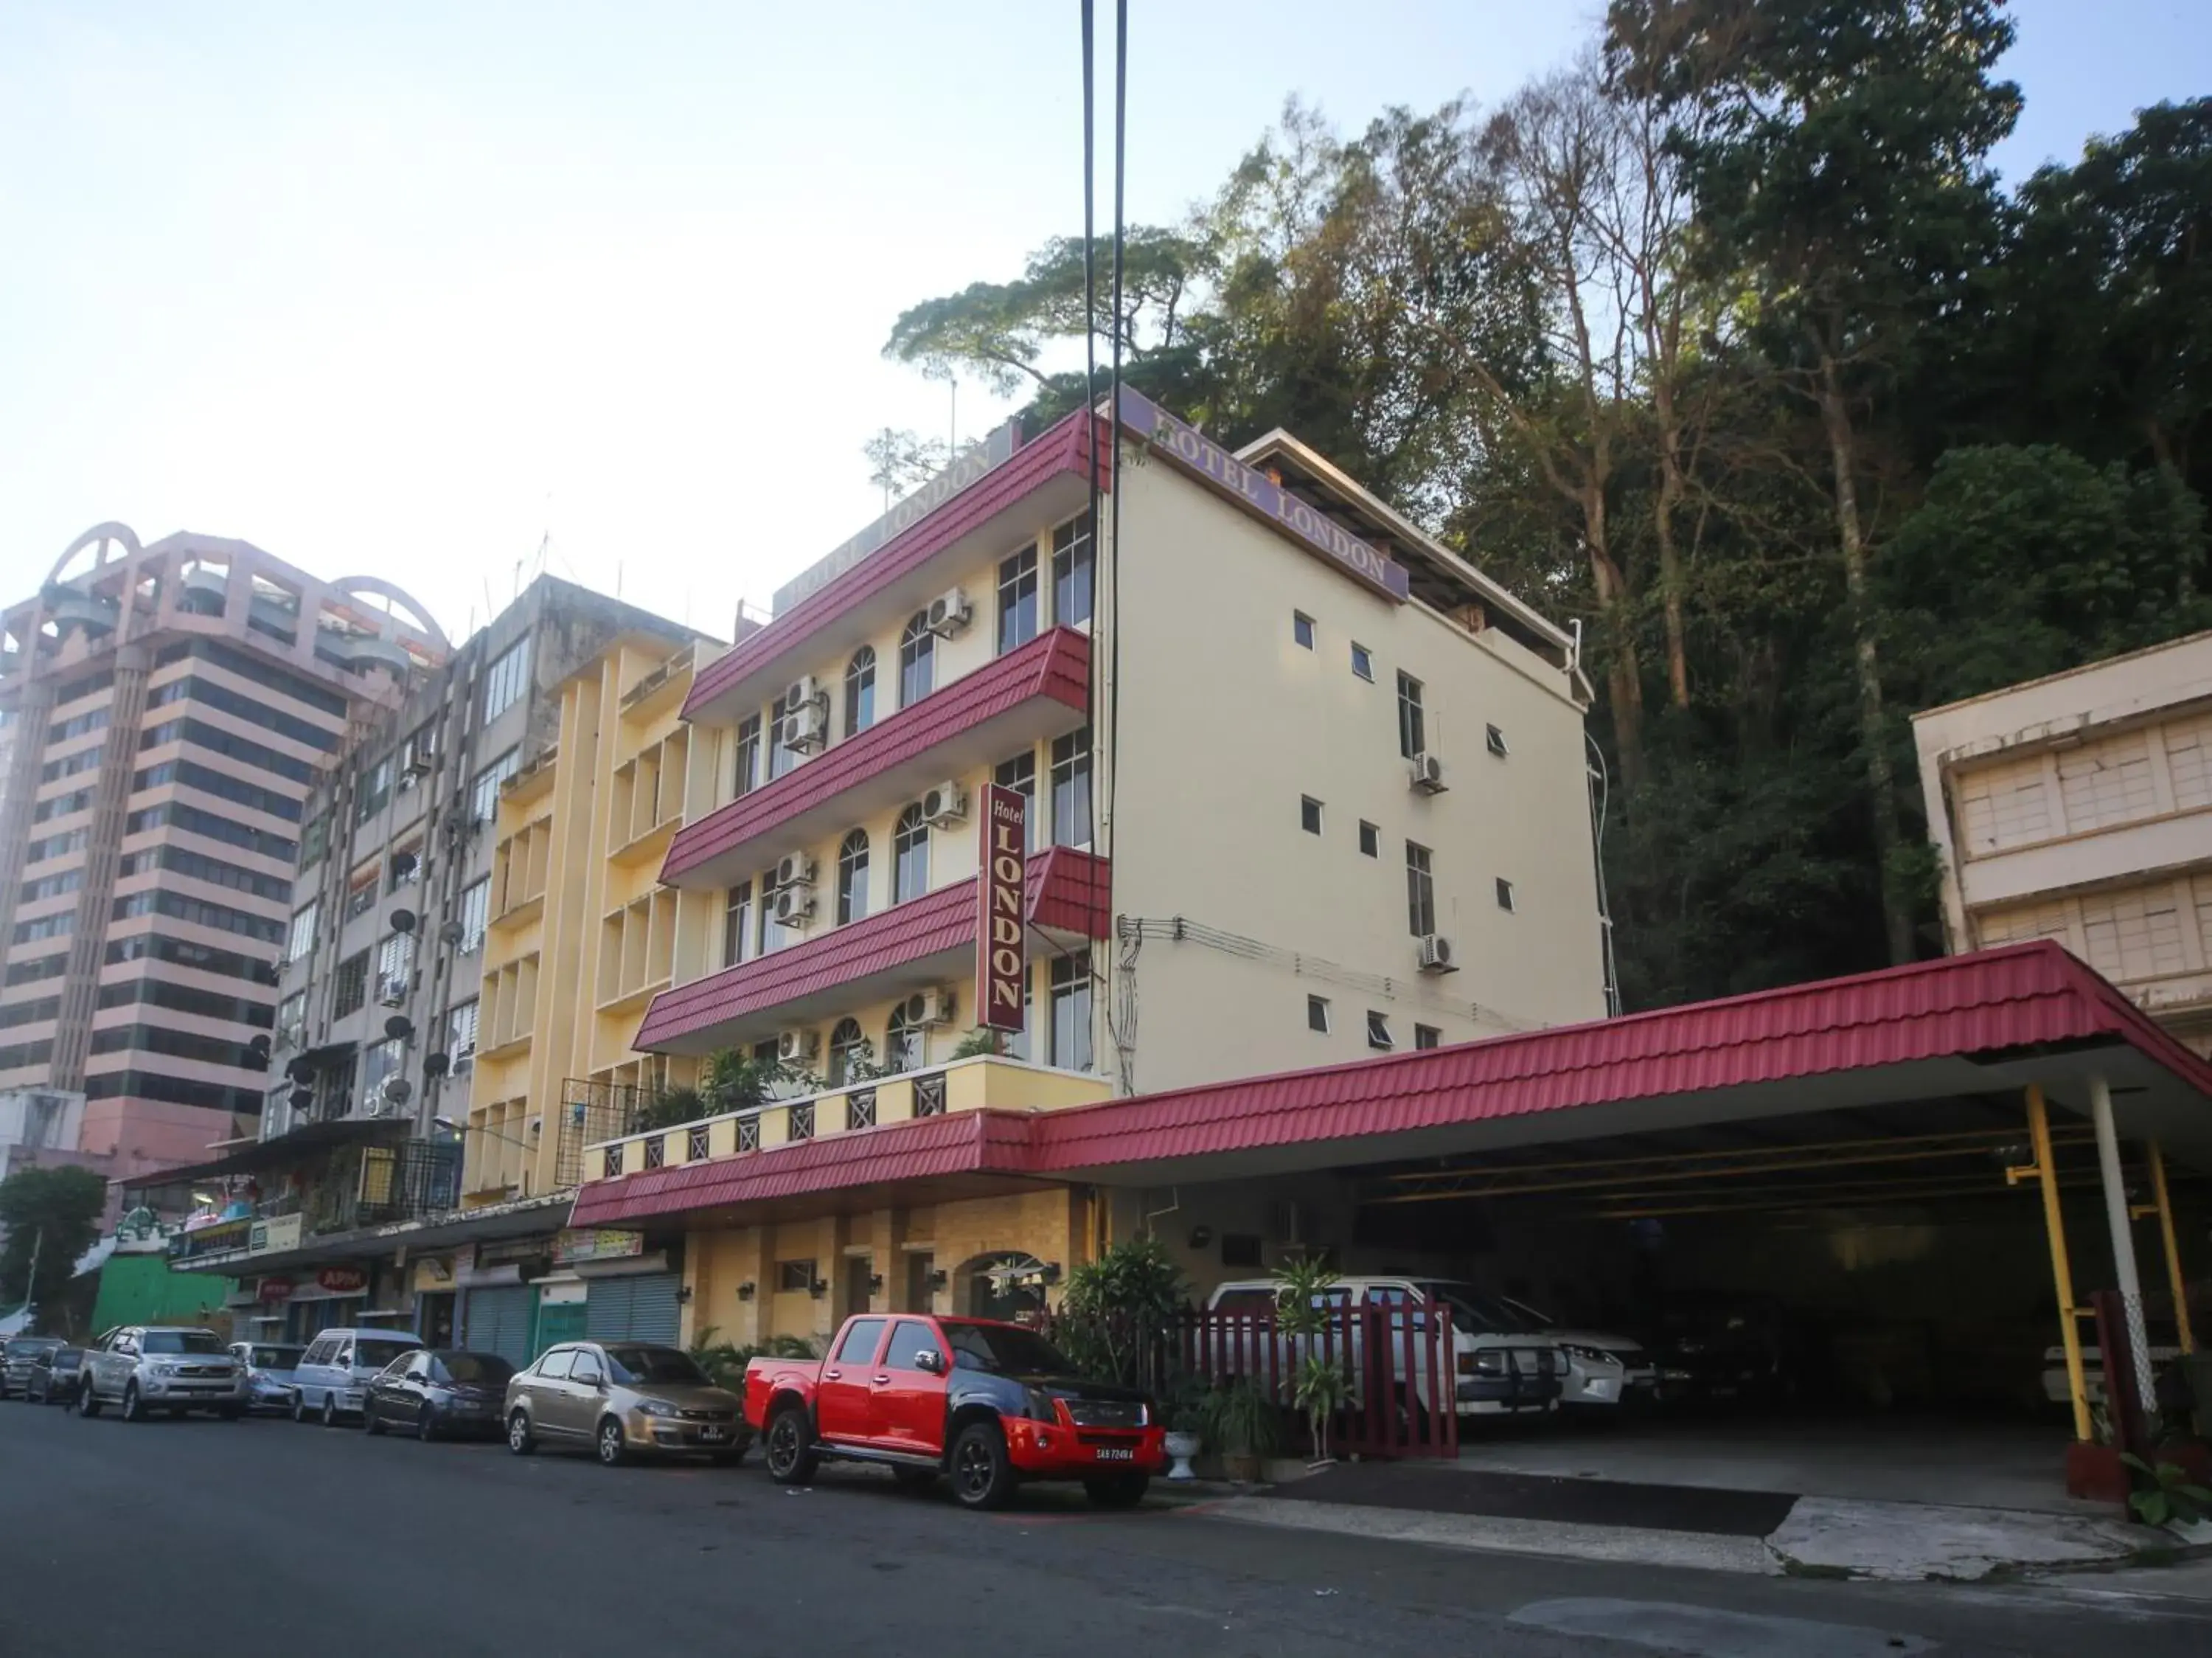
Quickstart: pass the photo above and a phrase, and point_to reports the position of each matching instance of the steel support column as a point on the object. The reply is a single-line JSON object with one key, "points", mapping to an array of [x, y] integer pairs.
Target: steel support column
{"points": [[2123, 1230], [2178, 1284], [2054, 1226]]}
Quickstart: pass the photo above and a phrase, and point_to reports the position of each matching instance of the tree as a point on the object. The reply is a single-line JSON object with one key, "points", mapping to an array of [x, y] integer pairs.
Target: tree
{"points": [[55, 1213], [1113, 1315], [1837, 164]]}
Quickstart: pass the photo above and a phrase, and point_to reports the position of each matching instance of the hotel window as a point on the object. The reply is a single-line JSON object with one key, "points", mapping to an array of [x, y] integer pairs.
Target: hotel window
{"points": [[1420, 892], [853, 877], [848, 1049], [772, 935], [1412, 726], [910, 855], [794, 1277], [1302, 630], [483, 794], [1363, 663], [1071, 788], [1427, 1036], [1504, 894], [1071, 1011], [292, 1020], [737, 921], [1018, 600], [1496, 739], [904, 1043], [476, 913], [302, 937], [350, 989], [917, 659], [461, 1031], [781, 758], [505, 680], [1310, 815], [1071, 572], [1019, 774], [747, 778], [860, 691], [1370, 840], [1317, 1013], [1378, 1030]]}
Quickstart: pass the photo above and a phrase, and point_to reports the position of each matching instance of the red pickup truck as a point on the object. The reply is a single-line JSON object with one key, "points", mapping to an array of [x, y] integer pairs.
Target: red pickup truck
{"points": [[990, 1405]]}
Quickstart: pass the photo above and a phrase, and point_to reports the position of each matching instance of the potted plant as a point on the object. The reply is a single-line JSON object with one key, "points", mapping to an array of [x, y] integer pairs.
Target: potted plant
{"points": [[1186, 1434], [1320, 1390], [1241, 1420]]}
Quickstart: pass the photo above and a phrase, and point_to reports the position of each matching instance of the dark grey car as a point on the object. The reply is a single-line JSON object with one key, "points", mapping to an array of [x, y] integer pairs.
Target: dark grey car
{"points": [[55, 1376], [16, 1358]]}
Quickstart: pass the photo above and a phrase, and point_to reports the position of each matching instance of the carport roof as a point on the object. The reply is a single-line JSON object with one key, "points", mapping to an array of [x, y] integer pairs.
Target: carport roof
{"points": [[1978, 1024]]}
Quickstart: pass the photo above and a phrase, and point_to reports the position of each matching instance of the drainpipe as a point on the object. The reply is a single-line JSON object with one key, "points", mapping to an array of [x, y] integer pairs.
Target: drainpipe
{"points": [[2124, 1243]]}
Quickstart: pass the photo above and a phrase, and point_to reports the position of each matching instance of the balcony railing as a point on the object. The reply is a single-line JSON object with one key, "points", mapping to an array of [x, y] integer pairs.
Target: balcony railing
{"points": [[983, 1082]]}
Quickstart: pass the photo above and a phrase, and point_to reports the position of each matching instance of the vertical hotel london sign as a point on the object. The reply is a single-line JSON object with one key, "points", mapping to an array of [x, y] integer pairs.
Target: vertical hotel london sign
{"points": [[1257, 494], [1000, 957]]}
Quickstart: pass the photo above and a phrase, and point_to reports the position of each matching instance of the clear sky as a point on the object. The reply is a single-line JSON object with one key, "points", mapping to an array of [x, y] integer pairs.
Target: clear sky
{"points": [[407, 288]]}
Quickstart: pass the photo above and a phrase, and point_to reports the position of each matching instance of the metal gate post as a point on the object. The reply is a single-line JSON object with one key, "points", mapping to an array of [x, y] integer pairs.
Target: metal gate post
{"points": [[2054, 1226]]}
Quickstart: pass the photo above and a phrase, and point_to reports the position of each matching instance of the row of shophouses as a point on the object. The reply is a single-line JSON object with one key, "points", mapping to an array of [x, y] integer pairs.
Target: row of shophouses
{"points": [[1182, 844]]}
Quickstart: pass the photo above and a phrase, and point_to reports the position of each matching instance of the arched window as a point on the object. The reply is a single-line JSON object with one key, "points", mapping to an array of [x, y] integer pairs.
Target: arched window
{"points": [[848, 1048], [909, 856], [917, 659], [853, 877], [902, 1043], [860, 691]]}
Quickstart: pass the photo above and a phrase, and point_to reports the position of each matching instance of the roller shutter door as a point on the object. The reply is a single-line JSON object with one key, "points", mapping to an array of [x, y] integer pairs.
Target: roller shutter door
{"points": [[498, 1321], [638, 1308]]}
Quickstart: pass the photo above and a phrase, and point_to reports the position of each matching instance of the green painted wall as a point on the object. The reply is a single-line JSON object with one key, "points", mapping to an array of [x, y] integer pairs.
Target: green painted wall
{"points": [[141, 1289]]}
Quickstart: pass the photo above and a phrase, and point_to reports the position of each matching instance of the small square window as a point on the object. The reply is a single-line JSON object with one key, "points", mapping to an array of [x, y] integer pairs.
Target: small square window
{"points": [[1371, 839], [1310, 815], [794, 1277], [1496, 739], [1504, 894], [1378, 1030], [1241, 1249], [1363, 663], [1302, 629], [1427, 1036], [1317, 1013]]}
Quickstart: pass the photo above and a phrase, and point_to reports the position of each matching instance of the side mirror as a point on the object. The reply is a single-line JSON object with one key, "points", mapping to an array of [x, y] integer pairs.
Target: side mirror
{"points": [[931, 1361]]}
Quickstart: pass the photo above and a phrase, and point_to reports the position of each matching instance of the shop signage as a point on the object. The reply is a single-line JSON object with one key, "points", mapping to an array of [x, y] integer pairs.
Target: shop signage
{"points": [[1196, 452], [276, 1290], [342, 1280], [1000, 961], [603, 1243], [510, 1250], [971, 465], [283, 1233]]}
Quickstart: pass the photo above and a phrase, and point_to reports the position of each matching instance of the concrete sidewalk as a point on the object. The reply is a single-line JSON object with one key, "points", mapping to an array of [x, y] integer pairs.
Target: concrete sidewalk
{"points": [[1705, 1527]]}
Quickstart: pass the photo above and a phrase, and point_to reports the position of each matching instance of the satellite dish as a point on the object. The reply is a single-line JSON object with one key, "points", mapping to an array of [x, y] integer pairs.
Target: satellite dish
{"points": [[403, 864], [452, 933], [398, 1090], [399, 1027], [403, 921], [300, 1070], [258, 1047], [302, 1098], [436, 1064]]}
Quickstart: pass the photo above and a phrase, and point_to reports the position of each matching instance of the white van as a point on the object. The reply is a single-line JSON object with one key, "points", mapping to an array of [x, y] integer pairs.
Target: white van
{"points": [[333, 1375], [1500, 1365]]}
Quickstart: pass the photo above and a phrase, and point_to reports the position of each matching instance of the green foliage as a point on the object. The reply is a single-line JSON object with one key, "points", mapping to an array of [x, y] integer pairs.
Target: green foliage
{"points": [[56, 1213], [1115, 1309], [724, 1361], [1320, 1389], [670, 1108], [1302, 1287], [1241, 1421], [982, 1041], [2165, 1494]]}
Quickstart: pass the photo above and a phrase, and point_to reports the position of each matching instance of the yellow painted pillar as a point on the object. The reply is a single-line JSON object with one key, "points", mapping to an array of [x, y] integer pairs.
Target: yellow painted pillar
{"points": [[2054, 1226], [2180, 1285]]}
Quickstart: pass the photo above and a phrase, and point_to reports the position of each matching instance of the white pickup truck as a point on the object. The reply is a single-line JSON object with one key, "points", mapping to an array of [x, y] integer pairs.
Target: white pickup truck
{"points": [[1499, 1365]]}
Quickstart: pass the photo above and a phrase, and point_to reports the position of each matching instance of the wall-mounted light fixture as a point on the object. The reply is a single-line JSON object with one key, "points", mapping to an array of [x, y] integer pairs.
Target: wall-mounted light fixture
{"points": [[819, 1288], [938, 1279], [745, 1290], [875, 1283], [683, 1294]]}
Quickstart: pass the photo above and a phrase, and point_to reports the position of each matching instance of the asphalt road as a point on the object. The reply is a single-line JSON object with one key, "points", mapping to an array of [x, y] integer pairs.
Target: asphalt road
{"points": [[184, 1539]]}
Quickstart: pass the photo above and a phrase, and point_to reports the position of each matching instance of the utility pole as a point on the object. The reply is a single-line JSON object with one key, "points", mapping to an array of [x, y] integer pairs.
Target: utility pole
{"points": [[31, 1280]]}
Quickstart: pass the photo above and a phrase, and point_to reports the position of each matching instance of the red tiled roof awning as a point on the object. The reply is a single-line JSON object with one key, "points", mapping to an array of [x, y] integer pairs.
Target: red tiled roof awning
{"points": [[1069, 891], [1036, 692]]}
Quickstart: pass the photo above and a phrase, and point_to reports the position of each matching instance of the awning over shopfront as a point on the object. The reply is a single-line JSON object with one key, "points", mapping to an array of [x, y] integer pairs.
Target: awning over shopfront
{"points": [[1983, 1026], [283, 1151]]}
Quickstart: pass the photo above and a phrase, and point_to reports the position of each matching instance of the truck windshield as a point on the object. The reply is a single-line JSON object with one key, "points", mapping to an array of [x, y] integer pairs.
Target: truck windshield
{"points": [[179, 1341], [1004, 1351], [276, 1358], [1486, 1316]]}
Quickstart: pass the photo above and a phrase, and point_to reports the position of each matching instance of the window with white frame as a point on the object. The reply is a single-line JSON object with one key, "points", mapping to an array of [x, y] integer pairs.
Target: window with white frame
{"points": [[1420, 891], [292, 1020], [746, 777], [1317, 1013], [505, 680], [917, 659], [910, 855], [1071, 788], [475, 913], [853, 877], [1371, 839], [1072, 572], [379, 1061], [483, 792], [1494, 740], [1302, 630], [1378, 1030], [1413, 720], [1017, 599], [1310, 815], [1071, 1011], [395, 967], [781, 758], [301, 940], [1504, 894], [860, 691], [1427, 1036], [904, 1044], [1363, 663], [849, 1050], [461, 1035], [737, 923]]}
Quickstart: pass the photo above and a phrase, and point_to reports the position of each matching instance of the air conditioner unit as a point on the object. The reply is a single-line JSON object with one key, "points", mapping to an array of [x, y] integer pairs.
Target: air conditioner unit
{"points": [[795, 907], [391, 990], [794, 869], [465, 1059], [949, 613], [1429, 775], [945, 802], [1436, 954], [794, 1048], [800, 692], [408, 778], [806, 727], [932, 1006]]}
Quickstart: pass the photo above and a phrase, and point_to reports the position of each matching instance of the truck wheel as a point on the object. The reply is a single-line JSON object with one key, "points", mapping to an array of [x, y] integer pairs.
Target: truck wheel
{"points": [[791, 1459], [613, 1452], [982, 1476], [133, 1410], [519, 1438], [1117, 1490], [87, 1402]]}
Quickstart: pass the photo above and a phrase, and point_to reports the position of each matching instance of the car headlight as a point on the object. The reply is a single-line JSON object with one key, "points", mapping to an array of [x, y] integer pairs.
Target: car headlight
{"points": [[657, 1407]]}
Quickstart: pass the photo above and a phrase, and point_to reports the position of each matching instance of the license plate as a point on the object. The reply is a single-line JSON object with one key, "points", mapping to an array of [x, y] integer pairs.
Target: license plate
{"points": [[1117, 1454], [715, 1434]]}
